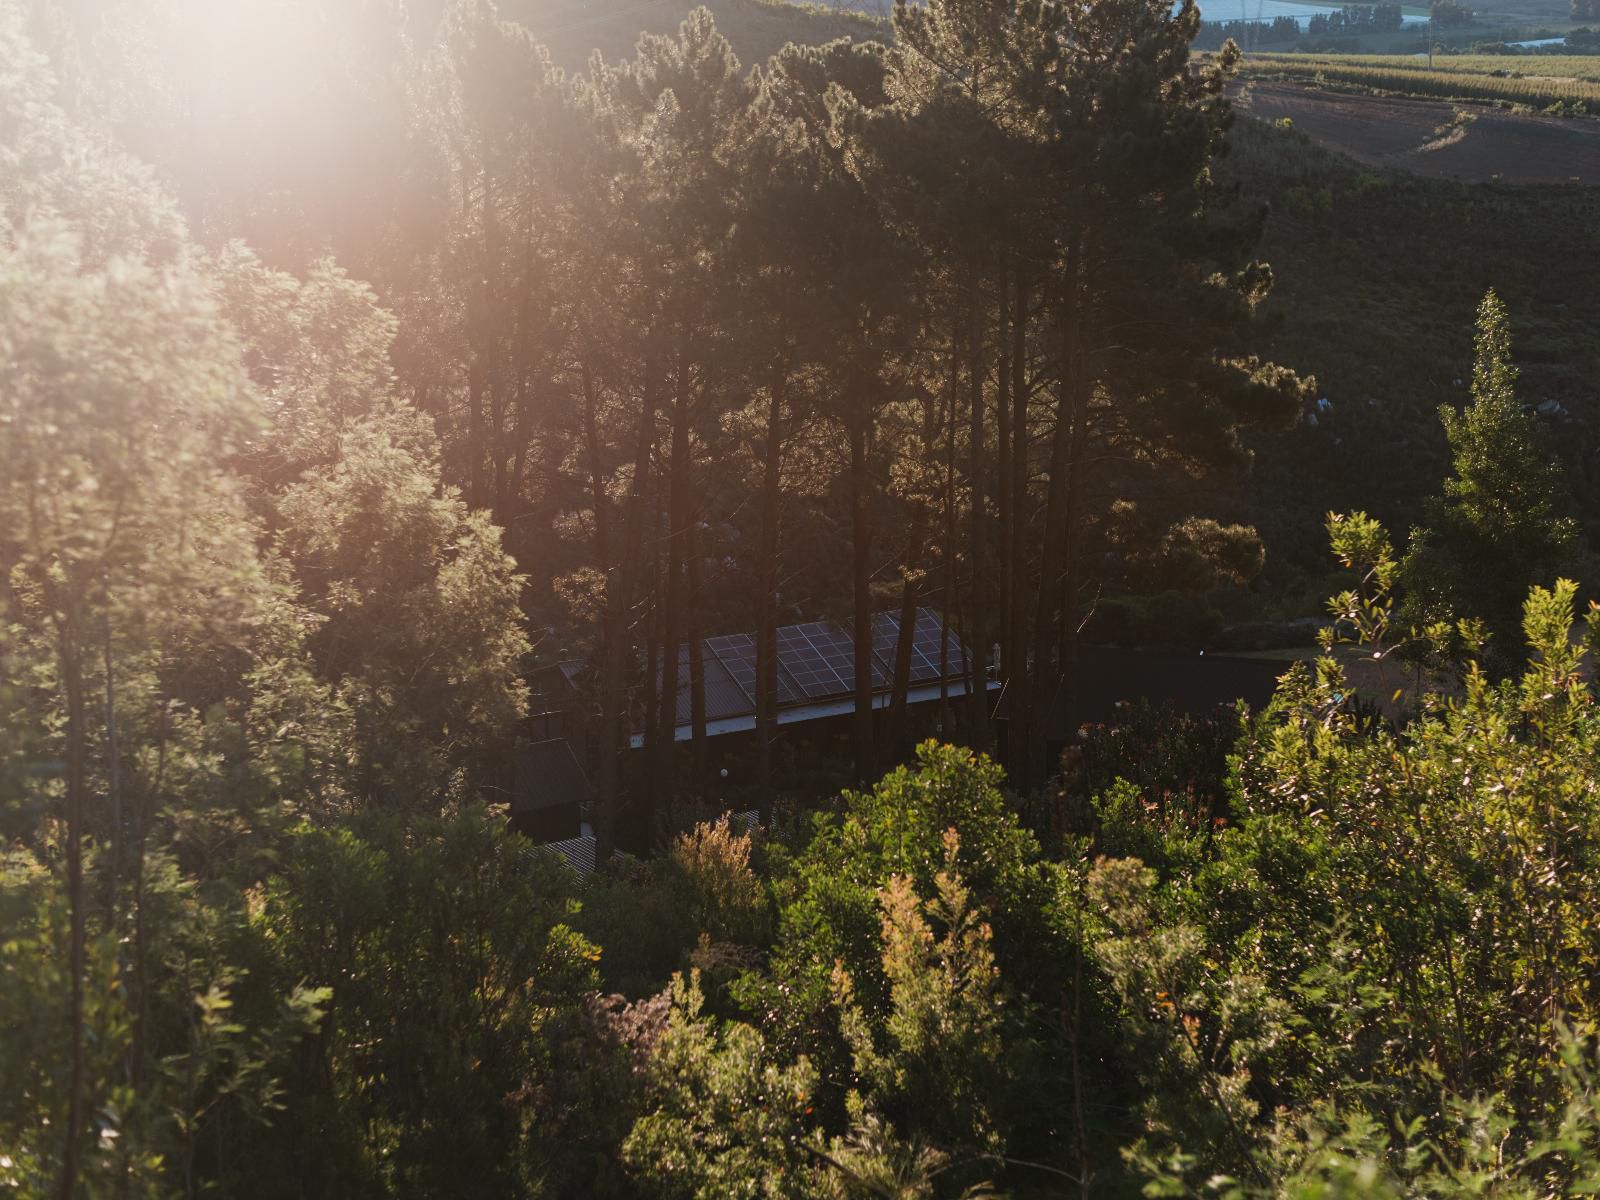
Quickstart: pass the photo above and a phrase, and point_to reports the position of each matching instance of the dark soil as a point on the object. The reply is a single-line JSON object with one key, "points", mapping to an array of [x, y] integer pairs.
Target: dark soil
{"points": [[1428, 137]]}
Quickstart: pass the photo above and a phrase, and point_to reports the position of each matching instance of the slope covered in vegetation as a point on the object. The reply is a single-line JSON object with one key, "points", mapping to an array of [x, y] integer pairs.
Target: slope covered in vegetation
{"points": [[1378, 272], [976, 319]]}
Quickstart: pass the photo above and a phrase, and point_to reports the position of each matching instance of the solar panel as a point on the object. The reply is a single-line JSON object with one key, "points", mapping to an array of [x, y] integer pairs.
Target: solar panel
{"points": [[806, 664], [725, 697], [925, 639], [838, 649], [737, 652], [886, 644]]}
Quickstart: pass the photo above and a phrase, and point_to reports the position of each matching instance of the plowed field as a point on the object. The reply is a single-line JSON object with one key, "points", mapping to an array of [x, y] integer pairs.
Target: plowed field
{"points": [[1430, 138]]}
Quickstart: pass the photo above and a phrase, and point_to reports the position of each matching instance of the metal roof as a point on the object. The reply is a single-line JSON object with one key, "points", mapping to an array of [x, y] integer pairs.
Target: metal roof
{"points": [[724, 696]]}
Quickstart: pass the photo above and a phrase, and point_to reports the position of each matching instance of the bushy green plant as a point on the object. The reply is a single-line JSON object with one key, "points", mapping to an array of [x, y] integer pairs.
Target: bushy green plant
{"points": [[1500, 525]]}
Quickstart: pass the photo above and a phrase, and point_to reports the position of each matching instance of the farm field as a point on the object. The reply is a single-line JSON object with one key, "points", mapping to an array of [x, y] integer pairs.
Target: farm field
{"points": [[1561, 67], [1536, 87], [1433, 138]]}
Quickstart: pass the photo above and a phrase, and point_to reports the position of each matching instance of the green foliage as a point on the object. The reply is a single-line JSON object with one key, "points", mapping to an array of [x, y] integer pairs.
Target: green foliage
{"points": [[421, 634], [828, 894], [942, 1035], [730, 903], [449, 945], [701, 905], [1503, 486], [1195, 1029], [727, 1115], [1499, 527], [723, 1120], [260, 935]]}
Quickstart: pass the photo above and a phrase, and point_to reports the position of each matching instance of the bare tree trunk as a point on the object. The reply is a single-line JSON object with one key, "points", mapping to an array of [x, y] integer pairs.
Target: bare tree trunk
{"points": [[1004, 498], [766, 696], [1045, 675], [677, 536], [619, 606], [860, 539], [949, 597], [654, 593], [977, 623], [113, 780], [697, 662], [479, 385], [597, 479], [72, 681], [650, 710], [1071, 576], [899, 733], [1017, 672]]}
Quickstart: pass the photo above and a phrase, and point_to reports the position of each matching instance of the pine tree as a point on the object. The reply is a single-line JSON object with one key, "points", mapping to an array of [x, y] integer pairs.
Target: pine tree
{"points": [[1505, 486], [1499, 525]]}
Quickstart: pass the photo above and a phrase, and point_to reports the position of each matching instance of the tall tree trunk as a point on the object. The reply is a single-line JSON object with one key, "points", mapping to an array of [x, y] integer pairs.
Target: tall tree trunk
{"points": [[1016, 555], [619, 607], [766, 696], [1077, 490], [1045, 673], [899, 732], [697, 661], [479, 384], [654, 601], [949, 597], [1004, 502], [499, 503], [72, 682], [977, 624], [650, 709], [915, 587], [677, 537], [113, 781], [597, 479], [860, 540], [140, 1003]]}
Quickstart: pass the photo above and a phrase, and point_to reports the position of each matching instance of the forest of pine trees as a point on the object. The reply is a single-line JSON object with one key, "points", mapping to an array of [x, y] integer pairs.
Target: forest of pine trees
{"points": [[356, 358]]}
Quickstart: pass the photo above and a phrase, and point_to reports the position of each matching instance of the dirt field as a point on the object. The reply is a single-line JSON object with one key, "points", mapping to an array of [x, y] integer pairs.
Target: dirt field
{"points": [[1428, 137]]}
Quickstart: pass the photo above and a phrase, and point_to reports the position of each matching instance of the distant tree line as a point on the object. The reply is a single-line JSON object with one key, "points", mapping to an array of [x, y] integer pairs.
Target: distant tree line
{"points": [[1248, 33], [1356, 18], [1450, 14]]}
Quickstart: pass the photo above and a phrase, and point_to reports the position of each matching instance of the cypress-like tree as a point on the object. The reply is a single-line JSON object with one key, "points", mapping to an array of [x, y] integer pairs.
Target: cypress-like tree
{"points": [[1499, 526]]}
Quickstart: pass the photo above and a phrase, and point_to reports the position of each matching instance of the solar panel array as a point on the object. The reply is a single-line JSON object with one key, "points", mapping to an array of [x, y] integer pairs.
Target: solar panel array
{"points": [[924, 645], [737, 652], [806, 665], [925, 636], [816, 662]]}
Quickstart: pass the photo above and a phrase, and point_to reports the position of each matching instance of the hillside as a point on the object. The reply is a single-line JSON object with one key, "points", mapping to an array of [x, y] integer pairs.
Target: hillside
{"points": [[1377, 272]]}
